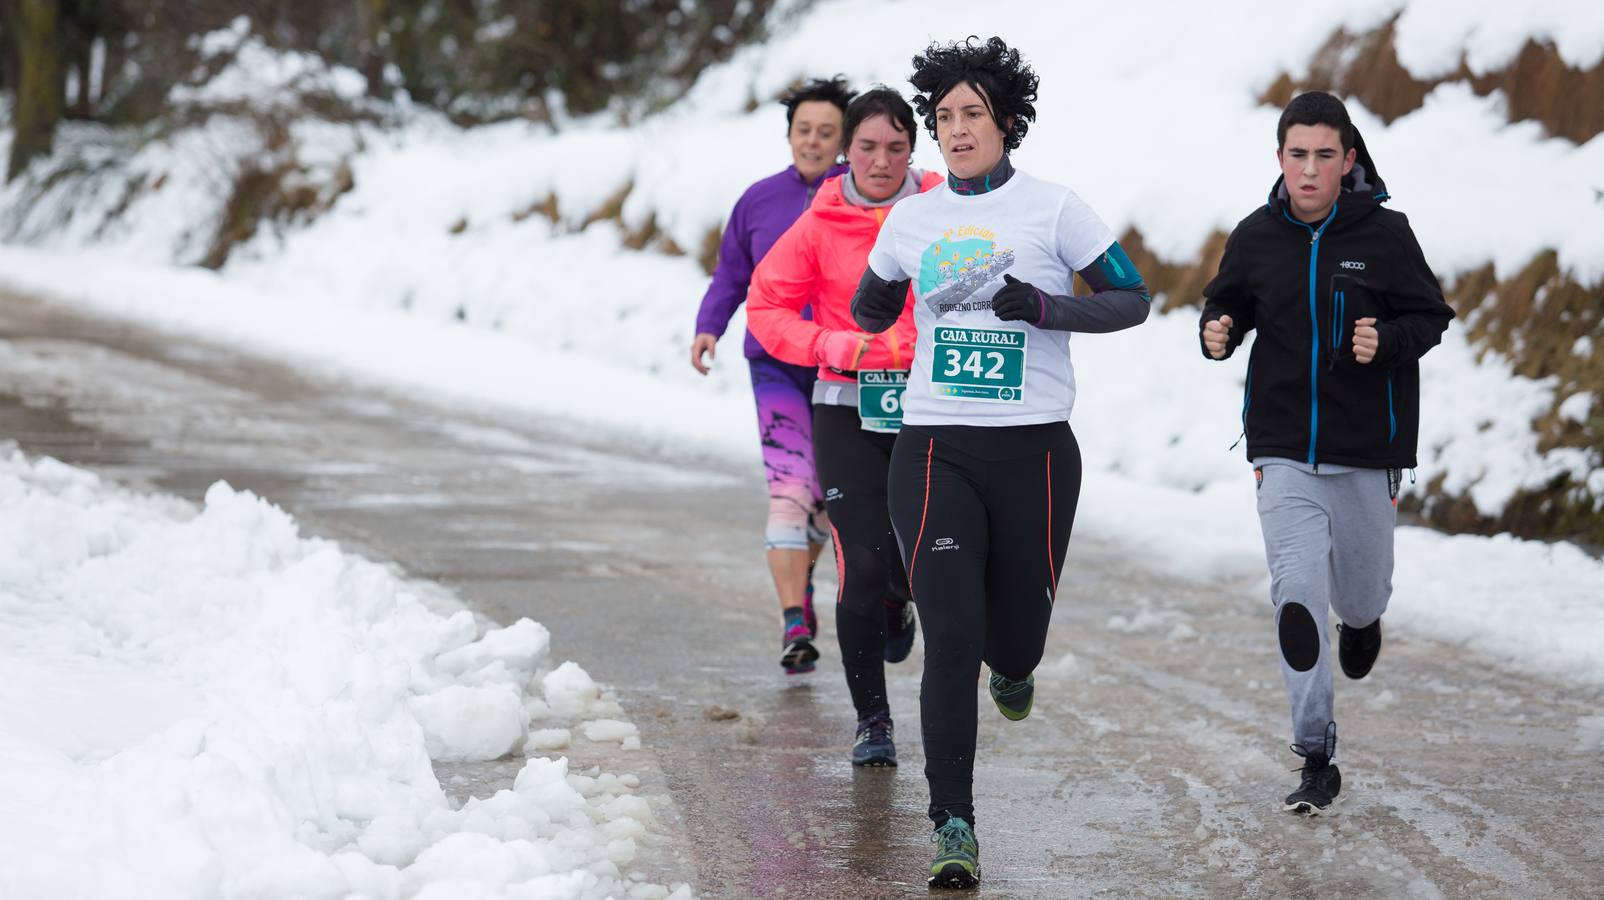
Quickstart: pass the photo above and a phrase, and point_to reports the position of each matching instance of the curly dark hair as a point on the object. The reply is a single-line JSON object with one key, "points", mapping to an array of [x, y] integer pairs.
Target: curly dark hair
{"points": [[880, 101], [997, 73], [830, 90]]}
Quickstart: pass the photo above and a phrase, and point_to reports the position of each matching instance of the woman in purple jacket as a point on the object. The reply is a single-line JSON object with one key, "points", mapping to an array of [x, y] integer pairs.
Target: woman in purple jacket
{"points": [[784, 392]]}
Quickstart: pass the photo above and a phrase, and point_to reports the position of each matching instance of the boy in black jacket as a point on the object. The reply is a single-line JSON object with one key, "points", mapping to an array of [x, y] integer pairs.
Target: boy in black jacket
{"points": [[1345, 306]]}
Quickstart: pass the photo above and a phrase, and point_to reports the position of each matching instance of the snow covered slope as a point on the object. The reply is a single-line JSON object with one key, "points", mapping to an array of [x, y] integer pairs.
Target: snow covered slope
{"points": [[1147, 108]]}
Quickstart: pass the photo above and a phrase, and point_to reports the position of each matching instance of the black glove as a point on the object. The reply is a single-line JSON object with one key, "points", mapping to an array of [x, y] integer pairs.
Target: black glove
{"points": [[878, 303], [1019, 301]]}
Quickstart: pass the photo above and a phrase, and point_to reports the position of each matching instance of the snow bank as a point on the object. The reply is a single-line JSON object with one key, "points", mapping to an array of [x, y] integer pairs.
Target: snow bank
{"points": [[202, 702]]}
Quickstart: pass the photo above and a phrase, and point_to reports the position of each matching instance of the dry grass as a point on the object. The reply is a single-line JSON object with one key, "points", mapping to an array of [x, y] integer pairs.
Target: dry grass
{"points": [[1174, 285], [1538, 319], [546, 207], [646, 236], [707, 256], [270, 194], [611, 208], [1568, 102], [275, 192]]}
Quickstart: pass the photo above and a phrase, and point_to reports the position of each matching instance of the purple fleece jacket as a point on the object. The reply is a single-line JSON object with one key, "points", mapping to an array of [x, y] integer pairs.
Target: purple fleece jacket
{"points": [[762, 214]]}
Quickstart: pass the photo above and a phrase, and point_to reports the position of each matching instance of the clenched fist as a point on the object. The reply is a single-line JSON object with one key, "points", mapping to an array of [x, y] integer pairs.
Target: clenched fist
{"points": [[1365, 340], [840, 350], [1216, 335]]}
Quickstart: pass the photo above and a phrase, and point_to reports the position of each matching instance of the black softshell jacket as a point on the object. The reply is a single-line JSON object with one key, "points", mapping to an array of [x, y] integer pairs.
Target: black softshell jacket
{"points": [[1302, 286]]}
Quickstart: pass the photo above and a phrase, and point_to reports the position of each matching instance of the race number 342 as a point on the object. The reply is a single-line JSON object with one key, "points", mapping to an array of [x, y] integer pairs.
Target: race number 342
{"points": [[979, 364]]}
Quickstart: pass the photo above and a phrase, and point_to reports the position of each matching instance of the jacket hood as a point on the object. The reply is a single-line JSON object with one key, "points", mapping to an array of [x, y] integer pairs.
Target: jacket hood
{"points": [[1362, 188]]}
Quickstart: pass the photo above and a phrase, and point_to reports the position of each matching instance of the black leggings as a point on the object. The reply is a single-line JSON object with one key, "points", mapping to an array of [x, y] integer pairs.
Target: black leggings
{"points": [[852, 467], [983, 530]]}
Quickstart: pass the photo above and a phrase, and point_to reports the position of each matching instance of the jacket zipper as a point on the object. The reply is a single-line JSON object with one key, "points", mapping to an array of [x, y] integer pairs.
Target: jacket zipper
{"points": [[1339, 304], [1392, 420], [1314, 322], [1247, 395]]}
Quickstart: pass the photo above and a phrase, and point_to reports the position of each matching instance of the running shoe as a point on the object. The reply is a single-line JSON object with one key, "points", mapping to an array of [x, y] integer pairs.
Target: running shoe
{"points": [[1318, 788], [899, 631], [799, 654], [873, 747], [808, 615], [957, 860], [1014, 698], [1357, 648]]}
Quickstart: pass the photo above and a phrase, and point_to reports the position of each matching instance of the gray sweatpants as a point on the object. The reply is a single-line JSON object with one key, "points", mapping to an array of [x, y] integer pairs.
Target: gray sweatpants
{"points": [[1328, 539]]}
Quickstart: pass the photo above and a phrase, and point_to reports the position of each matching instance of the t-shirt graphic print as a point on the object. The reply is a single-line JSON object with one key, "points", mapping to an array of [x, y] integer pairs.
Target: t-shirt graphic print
{"points": [[954, 269]]}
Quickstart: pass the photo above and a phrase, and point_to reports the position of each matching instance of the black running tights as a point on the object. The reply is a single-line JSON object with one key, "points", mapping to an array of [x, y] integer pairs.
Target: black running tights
{"points": [[984, 539], [852, 467]]}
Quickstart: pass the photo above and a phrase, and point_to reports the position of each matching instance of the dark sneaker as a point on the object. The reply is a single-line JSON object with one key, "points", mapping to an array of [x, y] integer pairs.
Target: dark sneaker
{"points": [[899, 631], [799, 654], [808, 615], [873, 747], [957, 860], [1014, 698], [1319, 787], [1357, 648]]}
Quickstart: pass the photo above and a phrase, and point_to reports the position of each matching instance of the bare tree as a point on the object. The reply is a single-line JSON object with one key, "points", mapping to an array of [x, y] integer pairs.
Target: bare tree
{"points": [[40, 79]]}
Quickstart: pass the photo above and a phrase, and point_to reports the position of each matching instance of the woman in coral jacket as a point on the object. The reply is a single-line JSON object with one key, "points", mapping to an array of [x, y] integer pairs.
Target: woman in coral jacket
{"points": [[857, 398]]}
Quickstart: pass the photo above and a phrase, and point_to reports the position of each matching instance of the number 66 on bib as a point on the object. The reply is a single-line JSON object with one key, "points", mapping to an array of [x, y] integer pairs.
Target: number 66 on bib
{"points": [[985, 365]]}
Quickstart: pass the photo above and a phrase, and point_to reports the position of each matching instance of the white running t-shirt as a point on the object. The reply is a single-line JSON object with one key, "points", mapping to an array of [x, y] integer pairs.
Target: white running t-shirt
{"points": [[969, 367]]}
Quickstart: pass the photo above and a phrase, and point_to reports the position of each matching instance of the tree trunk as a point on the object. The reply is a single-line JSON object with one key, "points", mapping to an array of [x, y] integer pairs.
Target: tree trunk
{"points": [[8, 46], [41, 82], [373, 16], [83, 59]]}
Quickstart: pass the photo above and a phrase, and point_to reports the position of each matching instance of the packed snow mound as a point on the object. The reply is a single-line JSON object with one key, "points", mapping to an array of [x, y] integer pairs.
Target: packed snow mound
{"points": [[198, 702]]}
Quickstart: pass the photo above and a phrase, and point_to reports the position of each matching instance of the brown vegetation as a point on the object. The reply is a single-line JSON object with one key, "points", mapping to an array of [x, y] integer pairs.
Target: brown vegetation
{"points": [[1538, 319], [280, 194], [1568, 102], [546, 208], [708, 255], [1175, 284]]}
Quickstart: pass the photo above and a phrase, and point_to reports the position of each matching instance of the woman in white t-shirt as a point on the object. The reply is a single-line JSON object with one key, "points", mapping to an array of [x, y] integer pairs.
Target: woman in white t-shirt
{"points": [[986, 473]]}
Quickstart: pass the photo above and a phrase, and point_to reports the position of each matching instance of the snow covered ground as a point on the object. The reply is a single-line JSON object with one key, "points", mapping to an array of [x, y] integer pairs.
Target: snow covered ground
{"points": [[201, 702]]}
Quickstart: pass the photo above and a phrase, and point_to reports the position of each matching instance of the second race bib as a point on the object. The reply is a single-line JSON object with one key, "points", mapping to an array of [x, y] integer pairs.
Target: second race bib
{"points": [[880, 399]]}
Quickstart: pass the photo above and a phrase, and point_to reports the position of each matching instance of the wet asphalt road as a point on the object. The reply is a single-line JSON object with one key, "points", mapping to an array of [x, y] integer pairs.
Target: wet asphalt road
{"points": [[1154, 761]]}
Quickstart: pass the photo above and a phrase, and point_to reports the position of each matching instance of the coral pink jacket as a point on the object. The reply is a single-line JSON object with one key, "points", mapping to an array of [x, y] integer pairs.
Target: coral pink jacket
{"points": [[819, 260]]}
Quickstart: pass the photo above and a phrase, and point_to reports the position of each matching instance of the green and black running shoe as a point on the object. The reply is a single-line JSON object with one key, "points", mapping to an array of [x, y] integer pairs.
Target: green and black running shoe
{"points": [[1014, 698], [957, 861]]}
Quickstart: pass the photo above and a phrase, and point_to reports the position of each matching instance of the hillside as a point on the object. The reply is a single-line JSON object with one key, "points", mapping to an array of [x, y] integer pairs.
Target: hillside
{"points": [[589, 237]]}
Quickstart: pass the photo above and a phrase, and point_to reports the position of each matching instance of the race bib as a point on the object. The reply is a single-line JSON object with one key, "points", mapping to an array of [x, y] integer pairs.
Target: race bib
{"points": [[985, 365], [880, 399]]}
